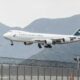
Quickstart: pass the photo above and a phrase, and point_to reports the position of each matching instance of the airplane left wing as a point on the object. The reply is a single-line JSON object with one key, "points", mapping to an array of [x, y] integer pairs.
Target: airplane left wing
{"points": [[48, 42]]}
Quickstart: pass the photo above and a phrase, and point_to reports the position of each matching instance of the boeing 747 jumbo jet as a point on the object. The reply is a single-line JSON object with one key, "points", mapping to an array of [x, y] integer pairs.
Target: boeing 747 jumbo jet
{"points": [[46, 40]]}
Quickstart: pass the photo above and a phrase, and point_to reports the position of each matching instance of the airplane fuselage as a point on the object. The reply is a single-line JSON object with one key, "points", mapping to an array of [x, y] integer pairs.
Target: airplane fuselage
{"points": [[28, 37]]}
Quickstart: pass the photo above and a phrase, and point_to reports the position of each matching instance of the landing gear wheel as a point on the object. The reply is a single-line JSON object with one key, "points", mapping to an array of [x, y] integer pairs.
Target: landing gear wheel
{"points": [[12, 43], [48, 46], [25, 43], [39, 45]]}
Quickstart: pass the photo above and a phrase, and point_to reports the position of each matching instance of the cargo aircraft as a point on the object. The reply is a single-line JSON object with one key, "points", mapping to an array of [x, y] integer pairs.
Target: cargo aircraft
{"points": [[43, 40]]}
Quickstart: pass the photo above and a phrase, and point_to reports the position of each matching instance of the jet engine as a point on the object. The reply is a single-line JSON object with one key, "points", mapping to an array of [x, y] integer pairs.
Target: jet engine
{"points": [[48, 41], [66, 40]]}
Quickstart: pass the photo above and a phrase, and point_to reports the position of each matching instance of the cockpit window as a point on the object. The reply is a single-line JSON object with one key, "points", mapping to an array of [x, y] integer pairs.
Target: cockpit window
{"points": [[14, 35]]}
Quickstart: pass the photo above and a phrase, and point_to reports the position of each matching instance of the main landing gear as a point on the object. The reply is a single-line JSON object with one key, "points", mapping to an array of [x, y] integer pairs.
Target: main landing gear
{"points": [[46, 46], [25, 43], [39, 45]]}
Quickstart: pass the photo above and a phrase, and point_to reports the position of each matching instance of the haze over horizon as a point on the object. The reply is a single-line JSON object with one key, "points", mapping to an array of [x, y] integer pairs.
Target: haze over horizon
{"points": [[22, 12], [53, 26]]}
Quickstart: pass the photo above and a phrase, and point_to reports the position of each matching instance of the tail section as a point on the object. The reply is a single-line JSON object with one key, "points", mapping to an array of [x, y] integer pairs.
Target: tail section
{"points": [[77, 33]]}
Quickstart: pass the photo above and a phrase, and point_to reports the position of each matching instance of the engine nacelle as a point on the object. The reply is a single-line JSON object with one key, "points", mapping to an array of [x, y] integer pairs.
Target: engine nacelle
{"points": [[66, 40], [48, 41]]}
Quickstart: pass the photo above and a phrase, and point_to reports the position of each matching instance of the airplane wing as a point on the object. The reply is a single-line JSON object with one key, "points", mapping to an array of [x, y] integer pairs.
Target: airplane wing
{"points": [[49, 41]]}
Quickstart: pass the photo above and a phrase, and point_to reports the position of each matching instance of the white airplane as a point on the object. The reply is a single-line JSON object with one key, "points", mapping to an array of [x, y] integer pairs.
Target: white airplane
{"points": [[46, 40]]}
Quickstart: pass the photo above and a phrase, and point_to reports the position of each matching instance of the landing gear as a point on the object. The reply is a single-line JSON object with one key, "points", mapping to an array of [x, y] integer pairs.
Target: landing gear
{"points": [[25, 43], [48, 46], [53, 42], [12, 43], [39, 45]]}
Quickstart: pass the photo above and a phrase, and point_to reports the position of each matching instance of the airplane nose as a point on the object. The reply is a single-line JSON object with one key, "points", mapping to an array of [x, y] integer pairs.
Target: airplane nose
{"points": [[6, 35]]}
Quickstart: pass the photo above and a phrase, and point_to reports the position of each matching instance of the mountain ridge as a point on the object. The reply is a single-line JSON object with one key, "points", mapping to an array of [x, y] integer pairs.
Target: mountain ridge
{"points": [[59, 26]]}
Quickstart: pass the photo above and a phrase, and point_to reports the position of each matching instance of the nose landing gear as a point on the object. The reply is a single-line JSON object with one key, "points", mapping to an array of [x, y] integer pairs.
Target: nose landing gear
{"points": [[12, 43]]}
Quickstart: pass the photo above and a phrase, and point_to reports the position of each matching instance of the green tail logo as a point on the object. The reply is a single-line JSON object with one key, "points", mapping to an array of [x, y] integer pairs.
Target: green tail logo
{"points": [[77, 33]]}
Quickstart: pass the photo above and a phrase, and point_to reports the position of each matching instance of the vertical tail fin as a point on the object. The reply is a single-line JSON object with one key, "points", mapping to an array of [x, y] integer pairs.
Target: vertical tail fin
{"points": [[77, 33]]}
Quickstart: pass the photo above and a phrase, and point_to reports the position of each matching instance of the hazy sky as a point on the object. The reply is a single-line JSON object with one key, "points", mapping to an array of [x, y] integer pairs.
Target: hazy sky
{"points": [[23, 12]]}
